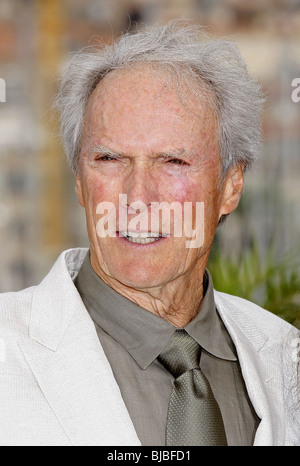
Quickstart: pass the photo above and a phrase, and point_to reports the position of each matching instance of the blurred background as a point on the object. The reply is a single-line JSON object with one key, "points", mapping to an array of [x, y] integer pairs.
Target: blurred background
{"points": [[256, 253]]}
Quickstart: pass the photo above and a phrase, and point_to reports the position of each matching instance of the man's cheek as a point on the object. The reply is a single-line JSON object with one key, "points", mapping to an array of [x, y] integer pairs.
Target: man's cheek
{"points": [[96, 191], [182, 189]]}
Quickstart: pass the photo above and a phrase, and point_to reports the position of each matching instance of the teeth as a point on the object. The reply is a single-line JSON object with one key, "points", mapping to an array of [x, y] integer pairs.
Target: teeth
{"points": [[141, 238]]}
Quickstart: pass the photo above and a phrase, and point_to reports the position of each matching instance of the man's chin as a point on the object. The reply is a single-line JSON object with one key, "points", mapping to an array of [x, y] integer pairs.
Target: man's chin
{"points": [[139, 278]]}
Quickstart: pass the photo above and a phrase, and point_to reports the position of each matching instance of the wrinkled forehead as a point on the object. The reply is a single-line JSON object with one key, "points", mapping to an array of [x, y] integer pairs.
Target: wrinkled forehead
{"points": [[139, 82], [147, 107]]}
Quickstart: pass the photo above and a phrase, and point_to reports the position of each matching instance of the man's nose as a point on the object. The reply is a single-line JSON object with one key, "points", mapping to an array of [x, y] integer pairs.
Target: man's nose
{"points": [[139, 186]]}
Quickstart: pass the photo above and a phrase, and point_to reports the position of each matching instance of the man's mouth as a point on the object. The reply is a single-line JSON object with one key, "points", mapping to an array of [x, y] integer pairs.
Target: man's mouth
{"points": [[141, 237]]}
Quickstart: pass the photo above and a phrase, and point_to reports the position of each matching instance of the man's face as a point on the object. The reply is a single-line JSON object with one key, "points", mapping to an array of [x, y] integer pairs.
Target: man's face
{"points": [[140, 141]]}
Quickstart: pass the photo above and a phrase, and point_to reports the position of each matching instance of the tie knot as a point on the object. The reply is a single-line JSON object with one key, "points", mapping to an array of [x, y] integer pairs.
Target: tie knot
{"points": [[181, 354]]}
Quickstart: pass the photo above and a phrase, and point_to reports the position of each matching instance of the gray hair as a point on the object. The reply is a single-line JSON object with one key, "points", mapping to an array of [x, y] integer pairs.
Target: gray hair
{"points": [[185, 50]]}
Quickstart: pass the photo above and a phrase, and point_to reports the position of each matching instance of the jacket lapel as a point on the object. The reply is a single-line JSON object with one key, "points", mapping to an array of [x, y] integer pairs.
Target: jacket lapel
{"points": [[70, 366], [262, 372]]}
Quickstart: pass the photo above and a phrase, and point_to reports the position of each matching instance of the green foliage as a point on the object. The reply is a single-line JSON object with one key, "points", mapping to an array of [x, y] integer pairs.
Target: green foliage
{"points": [[266, 279]]}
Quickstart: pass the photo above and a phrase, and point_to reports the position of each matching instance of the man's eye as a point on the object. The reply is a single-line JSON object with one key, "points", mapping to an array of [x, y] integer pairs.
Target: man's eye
{"points": [[177, 162], [105, 158]]}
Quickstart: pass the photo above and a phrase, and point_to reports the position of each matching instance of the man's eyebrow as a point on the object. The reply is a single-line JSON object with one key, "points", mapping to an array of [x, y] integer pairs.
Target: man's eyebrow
{"points": [[176, 153], [105, 151]]}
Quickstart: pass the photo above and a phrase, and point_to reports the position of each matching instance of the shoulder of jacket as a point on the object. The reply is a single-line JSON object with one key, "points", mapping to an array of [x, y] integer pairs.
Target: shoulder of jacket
{"points": [[266, 320], [15, 311]]}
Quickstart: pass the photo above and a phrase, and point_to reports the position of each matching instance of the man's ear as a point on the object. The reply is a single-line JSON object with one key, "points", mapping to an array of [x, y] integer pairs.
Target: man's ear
{"points": [[232, 189], [78, 190]]}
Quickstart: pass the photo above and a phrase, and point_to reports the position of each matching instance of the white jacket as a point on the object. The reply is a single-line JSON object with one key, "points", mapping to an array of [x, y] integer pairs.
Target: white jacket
{"points": [[57, 387]]}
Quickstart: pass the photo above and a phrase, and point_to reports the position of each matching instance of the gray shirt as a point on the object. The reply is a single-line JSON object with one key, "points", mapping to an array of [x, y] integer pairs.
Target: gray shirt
{"points": [[133, 337]]}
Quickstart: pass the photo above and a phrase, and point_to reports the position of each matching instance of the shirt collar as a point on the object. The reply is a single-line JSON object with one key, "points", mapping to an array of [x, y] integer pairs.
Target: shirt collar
{"points": [[143, 334]]}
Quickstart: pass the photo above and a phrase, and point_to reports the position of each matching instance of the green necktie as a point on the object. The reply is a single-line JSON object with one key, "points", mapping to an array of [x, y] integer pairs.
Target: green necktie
{"points": [[194, 417]]}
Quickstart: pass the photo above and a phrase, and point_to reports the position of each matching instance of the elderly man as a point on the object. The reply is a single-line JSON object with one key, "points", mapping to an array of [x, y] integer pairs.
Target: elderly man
{"points": [[127, 343]]}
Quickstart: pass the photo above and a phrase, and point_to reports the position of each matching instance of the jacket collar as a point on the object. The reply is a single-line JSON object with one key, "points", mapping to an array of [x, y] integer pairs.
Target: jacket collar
{"points": [[58, 293], [231, 310], [56, 299]]}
